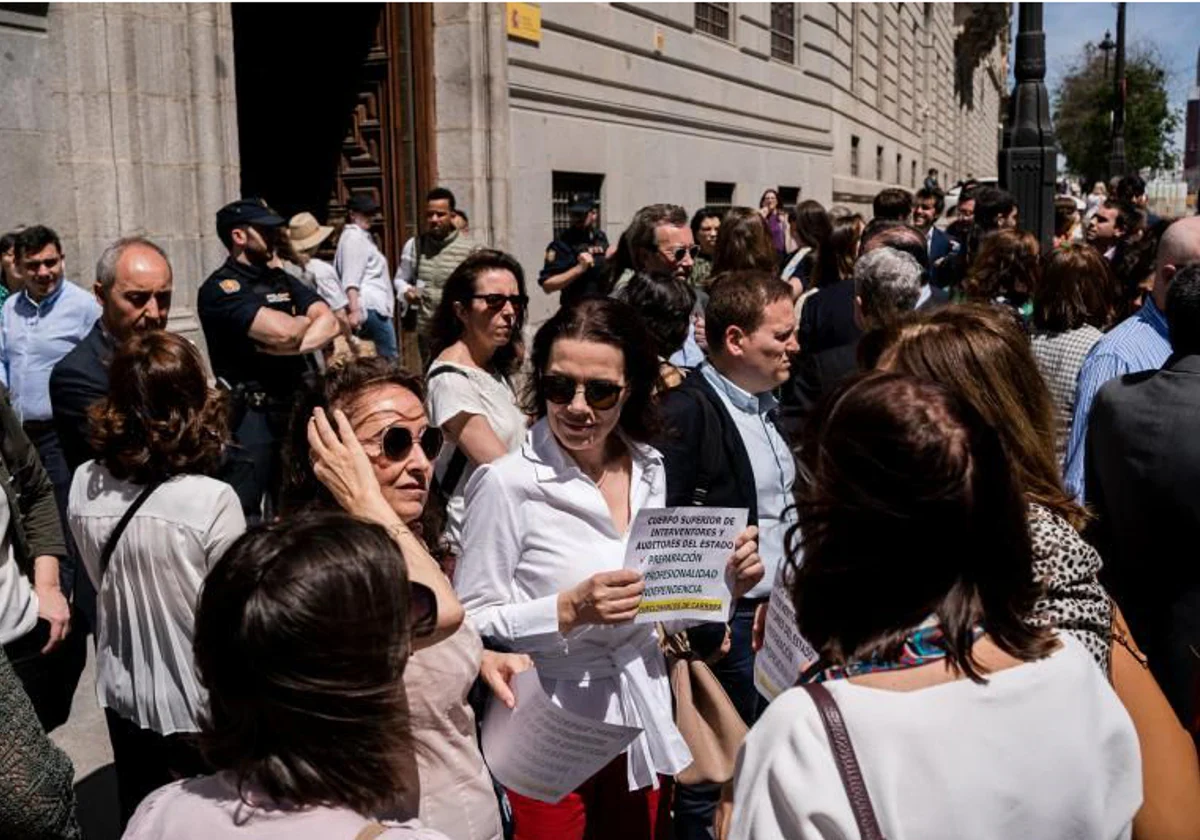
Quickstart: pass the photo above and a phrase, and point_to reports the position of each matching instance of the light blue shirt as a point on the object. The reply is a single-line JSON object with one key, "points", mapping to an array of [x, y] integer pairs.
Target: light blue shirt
{"points": [[1138, 343], [774, 470], [689, 355], [35, 336]]}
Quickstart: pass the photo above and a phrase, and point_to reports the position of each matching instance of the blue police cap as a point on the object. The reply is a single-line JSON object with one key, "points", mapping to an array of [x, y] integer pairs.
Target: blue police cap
{"points": [[247, 211]]}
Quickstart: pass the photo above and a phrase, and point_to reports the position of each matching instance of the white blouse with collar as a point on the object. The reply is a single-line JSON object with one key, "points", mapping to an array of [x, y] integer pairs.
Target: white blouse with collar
{"points": [[535, 525]]}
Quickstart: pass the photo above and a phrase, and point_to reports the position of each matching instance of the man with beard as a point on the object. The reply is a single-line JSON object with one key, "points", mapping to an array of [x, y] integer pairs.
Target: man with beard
{"points": [[575, 262], [261, 324]]}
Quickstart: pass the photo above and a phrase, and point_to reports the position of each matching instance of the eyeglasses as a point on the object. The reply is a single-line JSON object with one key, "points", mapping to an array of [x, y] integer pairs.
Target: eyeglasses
{"points": [[396, 443], [422, 609], [496, 302], [600, 394], [34, 265], [677, 254]]}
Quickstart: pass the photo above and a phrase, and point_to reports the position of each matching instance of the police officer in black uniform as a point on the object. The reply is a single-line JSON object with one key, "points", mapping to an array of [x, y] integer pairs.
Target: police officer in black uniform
{"points": [[575, 262], [261, 325]]}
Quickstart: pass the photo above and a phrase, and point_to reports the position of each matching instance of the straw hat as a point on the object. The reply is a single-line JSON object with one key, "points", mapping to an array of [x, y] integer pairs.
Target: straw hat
{"points": [[305, 232]]}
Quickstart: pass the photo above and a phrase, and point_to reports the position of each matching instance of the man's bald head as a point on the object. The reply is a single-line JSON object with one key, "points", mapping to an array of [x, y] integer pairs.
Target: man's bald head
{"points": [[1180, 245], [133, 285]]}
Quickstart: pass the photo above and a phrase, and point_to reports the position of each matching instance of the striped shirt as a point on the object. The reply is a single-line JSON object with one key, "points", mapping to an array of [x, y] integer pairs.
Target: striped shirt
{"points": [[1138, 343], [1060, 357]]}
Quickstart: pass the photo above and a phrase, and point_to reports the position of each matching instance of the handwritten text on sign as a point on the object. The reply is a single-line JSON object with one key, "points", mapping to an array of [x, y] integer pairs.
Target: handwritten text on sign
{"points": [[683, 554]]}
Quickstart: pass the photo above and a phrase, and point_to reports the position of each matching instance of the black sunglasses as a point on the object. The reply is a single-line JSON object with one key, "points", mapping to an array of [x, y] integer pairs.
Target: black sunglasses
{"points": [[496, 302], [396, 442], [677, 254], [422, 609], [599, 393]]}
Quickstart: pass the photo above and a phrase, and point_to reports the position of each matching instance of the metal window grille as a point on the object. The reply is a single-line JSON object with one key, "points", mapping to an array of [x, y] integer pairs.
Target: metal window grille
{"points": [[718, 195], [853, 157], [713, 18], [899, 168], [568, 187], [783, 32], [788, 196]]}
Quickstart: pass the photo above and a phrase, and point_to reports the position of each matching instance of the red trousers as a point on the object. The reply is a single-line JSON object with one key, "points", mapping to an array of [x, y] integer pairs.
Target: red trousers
{"points": [[603, 807]]}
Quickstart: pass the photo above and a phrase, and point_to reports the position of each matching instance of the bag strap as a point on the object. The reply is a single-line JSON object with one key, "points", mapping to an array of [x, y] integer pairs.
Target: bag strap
{"points": [[370, 831], [847, 762], [110, 544]]}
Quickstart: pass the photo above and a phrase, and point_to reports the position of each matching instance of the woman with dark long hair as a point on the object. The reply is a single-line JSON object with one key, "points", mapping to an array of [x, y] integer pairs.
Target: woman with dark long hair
{"points": [[915, 587], [825, 313], [1005, 271], [303, 634], [771, 211], [744, 243], [150, 521], [812, 228], [476, 346]]}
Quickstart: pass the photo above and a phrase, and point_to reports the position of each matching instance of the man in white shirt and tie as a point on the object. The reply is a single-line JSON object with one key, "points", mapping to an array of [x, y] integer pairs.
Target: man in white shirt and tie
{"points": [[363, 270]]}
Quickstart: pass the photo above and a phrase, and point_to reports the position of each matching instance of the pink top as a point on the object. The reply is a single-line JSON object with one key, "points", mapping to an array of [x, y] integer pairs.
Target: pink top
{"points": [[208, 808]]}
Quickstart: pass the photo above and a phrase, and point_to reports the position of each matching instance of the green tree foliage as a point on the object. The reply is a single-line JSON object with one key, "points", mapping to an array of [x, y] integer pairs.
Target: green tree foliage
{"points": [[1083, 105]]}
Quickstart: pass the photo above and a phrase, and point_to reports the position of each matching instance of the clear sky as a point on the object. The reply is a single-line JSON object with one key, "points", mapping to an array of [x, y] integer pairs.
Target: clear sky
{"points": [[1173, 29]]}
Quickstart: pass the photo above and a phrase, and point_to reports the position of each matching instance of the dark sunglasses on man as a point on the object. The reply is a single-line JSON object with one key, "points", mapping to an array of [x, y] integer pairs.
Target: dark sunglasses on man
{"points": [[600, 394], [495, 302], [677, 254]]}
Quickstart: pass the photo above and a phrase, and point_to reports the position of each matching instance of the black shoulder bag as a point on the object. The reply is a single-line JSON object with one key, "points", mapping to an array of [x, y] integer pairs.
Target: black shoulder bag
{"points": [[110, 544]]}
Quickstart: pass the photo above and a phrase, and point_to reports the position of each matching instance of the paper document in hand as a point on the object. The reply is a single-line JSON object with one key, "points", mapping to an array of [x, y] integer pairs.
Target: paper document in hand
{"points": [[542, 751], [785, 653], [683, 554]]}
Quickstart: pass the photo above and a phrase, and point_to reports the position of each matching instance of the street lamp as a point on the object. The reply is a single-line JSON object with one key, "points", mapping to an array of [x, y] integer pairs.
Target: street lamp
{"points": [[1116, 163], [1106, 46]]}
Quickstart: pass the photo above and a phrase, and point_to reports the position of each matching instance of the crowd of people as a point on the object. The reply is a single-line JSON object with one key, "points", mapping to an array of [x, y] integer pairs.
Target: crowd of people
{"points": [[311, 574]]}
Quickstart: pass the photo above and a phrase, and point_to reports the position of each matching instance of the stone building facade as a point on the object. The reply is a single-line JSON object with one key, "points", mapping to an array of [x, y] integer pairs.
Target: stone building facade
{"points": [[121, 118]]}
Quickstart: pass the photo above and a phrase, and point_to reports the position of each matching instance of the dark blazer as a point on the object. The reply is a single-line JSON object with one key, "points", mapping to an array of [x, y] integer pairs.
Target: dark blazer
{"points": [[827, 318], [78, 380], [702, 450], [942, 252], [813, 376], [1142, 473]]}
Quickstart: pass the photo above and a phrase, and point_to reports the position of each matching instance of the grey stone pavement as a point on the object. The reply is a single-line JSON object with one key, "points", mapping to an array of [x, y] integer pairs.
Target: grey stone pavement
{"points": [[85, 739]]}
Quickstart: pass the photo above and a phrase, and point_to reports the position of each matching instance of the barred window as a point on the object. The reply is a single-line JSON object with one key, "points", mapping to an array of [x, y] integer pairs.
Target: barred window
{"points": [[713, 18], [912, 179], [567, 188], [899, 168], [718, 195], [853, 157], [788, 197], [783, 32], [879, 163]]}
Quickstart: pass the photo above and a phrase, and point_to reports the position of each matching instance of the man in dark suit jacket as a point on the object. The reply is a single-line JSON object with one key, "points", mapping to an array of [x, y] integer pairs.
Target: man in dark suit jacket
{"points": [[941, 248], [1142, 468], [721, 447]]}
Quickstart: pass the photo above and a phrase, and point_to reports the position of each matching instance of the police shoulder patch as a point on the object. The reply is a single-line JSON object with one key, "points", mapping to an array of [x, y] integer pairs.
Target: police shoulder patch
{"points": [[229, 286]]}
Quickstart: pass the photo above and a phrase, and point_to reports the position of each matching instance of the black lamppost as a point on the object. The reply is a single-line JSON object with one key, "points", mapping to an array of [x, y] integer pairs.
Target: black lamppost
{"points": [[1116, 162], [1106, 46], [1029, 158]]}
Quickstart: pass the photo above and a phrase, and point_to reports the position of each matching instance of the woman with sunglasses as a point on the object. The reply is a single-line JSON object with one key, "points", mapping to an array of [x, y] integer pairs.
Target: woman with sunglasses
{"points": [[542, 567], [371, 453], [475, 339], [150, 521], [302, 644]]}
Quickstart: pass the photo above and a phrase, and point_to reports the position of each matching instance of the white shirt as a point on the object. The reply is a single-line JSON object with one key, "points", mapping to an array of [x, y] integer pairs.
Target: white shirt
{"points": [[536, 525], [146, 602], [474, 392], [1043, 750], [361, 265], [328, 284], [406, 278], [18, 601]]}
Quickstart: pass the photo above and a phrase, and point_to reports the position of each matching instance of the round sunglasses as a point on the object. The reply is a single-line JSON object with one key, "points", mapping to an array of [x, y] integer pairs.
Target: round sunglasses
{"points": [[396, 443], [677, 254], [600, 394]]}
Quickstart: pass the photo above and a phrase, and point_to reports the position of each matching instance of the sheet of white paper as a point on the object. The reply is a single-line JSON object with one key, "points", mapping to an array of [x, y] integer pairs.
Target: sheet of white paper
{"points": [[542, 751], [785, 653], [683, 554]]}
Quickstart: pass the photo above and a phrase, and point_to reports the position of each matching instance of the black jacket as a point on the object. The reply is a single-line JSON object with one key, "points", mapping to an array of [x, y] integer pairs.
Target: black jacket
{"points": [[827, 318], [78, 380], [1142, 474]]}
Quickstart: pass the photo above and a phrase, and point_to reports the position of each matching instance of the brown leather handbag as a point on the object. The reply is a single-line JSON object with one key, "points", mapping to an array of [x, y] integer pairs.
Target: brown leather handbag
{"points": [[847, 761], [704, 714]]}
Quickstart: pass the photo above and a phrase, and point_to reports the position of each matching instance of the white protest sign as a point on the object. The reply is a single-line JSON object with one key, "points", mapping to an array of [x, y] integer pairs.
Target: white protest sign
{"points": [[785, 653], [543, 751], [683, 554]]}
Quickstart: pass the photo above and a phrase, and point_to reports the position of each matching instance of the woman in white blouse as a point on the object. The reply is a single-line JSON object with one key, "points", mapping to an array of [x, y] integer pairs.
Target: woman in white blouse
{"points": [[543, 554], [475, 339], [161, 433], [917, 580]]}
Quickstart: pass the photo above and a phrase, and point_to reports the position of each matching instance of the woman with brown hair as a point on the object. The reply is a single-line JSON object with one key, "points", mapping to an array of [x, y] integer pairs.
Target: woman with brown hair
{"points": [[150, 521], [1004, 271], [1073, 303], [979, 353], [743, 242], [825, 313], [913, 513], [811, 228]]}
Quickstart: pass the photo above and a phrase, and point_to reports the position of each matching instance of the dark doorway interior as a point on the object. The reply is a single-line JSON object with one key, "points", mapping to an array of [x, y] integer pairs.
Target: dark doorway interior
{"points": [[298, 67]]}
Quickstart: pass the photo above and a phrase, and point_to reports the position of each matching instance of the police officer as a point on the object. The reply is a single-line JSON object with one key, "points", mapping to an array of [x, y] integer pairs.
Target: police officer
{"points": [[261, 324], [575, 262]]}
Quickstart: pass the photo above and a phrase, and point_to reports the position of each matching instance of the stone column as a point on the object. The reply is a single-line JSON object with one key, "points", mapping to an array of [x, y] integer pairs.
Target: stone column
{"points": [[135, 132], [470, 69]]}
